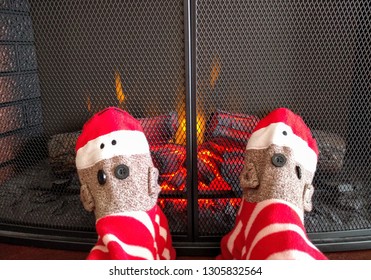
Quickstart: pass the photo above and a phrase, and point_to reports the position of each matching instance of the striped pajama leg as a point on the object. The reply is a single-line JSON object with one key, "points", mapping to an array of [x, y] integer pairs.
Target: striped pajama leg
{"points": [[271, 229], [136, 235]]}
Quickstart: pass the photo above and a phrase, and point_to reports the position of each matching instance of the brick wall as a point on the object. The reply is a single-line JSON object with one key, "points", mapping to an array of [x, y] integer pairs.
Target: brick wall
{"points": [[20, 101]]}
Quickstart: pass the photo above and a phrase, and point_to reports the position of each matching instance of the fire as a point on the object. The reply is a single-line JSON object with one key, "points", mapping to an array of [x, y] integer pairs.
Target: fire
{"points": [[166, 187], [215, 71], [235, 202], [206, 203], [179, 203], [120, 94], [119, 89], [200, 127], [201, 119], [205, 157]]}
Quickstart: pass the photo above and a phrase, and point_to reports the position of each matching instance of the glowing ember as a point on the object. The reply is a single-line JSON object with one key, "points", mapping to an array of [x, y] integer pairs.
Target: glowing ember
{"points": [[177, 203], [166, 187]]}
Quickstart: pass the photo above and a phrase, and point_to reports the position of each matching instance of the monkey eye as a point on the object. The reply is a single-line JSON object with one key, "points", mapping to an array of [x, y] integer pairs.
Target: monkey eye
{"points": [[102, 177]]}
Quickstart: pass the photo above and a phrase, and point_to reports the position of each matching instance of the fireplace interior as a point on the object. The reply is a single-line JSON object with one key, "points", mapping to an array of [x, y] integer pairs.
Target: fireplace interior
{"points": [[199, 75]]}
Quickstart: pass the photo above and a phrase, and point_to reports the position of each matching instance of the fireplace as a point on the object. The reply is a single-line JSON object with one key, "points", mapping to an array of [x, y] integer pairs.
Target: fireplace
{"points": [[198, 75]]}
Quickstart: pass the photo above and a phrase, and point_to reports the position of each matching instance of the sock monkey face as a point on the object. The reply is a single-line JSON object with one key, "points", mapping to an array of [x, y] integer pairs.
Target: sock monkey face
{"points": [[273, 173], [281, 158], [114, 165], [119, 184]]}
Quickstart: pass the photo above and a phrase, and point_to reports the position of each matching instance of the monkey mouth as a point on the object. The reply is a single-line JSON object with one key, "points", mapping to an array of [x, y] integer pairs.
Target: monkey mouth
{"points": [[298, 172]]}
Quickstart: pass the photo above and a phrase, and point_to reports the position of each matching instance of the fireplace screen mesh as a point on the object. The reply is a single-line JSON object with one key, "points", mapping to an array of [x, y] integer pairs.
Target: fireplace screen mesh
{"points": [[310, 56], [90, 55], [63, 61]]}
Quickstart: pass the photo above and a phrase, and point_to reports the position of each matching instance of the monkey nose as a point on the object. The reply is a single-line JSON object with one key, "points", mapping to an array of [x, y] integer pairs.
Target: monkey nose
{"points": [[122, 171]]}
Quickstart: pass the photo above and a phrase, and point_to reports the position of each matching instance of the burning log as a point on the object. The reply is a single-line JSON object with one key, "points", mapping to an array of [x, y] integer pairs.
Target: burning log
{"points": [[232, 126], [220, 162], [218, 185], [160, 129], [168, 158], [174, 181], [207, 164], [209, 159]]}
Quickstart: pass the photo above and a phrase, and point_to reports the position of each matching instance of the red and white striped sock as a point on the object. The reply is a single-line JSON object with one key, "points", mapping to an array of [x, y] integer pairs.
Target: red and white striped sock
{"points": [[137, 235], [271, 229]]}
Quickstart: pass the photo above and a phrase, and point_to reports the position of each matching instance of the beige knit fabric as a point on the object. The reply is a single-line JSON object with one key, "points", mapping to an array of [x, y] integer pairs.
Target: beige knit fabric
{"points": [[261, 180], [139, 191]]}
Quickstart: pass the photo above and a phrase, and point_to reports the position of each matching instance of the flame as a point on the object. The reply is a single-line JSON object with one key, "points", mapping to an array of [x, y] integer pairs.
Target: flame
{"points": [[119, 90], [180, 135], [200, 127], [215, 71]]}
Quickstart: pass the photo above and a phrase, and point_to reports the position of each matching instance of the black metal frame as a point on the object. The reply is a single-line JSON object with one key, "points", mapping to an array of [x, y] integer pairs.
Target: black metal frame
{"points": [[191, 139], [192, 243]]}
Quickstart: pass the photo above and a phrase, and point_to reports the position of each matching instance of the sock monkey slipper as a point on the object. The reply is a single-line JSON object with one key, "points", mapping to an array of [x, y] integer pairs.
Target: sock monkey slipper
{"points": [[119, 183], [280, 162]]}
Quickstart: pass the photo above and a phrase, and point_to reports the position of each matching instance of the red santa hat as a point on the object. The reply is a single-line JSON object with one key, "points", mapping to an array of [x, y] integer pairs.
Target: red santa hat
{"points": [[109, 133], [284, 128]]}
